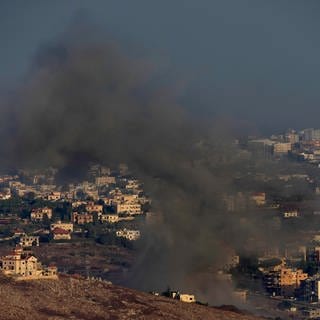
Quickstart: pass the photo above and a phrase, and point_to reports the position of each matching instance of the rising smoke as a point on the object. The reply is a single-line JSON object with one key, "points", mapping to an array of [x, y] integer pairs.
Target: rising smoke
{"points": [[87, 100]]}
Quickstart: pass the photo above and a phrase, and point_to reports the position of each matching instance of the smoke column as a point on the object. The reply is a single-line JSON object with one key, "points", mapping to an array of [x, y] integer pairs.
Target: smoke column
{"points": [[87, 100]]}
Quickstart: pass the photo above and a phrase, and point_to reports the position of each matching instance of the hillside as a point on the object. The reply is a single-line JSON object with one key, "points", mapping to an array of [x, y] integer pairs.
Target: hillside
{"points": [[70, 298]]}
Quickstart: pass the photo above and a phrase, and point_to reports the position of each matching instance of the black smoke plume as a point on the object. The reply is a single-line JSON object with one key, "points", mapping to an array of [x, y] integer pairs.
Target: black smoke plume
{"points": [[88, 100]]}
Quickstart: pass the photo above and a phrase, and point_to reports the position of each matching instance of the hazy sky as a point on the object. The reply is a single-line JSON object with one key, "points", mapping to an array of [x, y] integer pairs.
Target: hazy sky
{"points": [[255, 60]]}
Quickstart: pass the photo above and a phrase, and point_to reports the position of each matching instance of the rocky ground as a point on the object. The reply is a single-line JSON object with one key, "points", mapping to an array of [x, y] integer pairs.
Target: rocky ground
{"points": [[74, 298]]}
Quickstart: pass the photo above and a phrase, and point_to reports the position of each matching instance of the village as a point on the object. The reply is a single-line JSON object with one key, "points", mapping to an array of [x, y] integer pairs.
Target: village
{"points": [[90, 228], [108, 208]]}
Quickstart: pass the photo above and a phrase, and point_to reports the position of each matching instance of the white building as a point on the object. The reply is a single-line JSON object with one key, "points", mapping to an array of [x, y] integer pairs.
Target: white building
{"points": [[189, 298], [290, 214], [128, 234], [129, 208]]}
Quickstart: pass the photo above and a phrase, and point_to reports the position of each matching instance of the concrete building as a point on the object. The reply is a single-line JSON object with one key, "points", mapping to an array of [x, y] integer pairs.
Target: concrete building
{"points": [[54, 196], [292, 137], [128, 234], [129, 208], [91, 207], [24, 266], [311, 134], [109, 218], [105, 180], [29, 241], [307, 134], [281, 148], [61, 234], [282, 280], [82, 218], [62, 225], [189, 298], [40, 213], [261, 148], [290, 214]]}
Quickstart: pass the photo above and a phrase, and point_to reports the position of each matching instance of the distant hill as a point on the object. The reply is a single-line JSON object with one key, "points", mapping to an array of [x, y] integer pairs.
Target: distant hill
{"points": [[70, 298]]}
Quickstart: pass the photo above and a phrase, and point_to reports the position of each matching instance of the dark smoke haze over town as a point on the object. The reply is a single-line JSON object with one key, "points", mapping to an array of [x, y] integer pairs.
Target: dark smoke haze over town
{"points": [[167, 88]]}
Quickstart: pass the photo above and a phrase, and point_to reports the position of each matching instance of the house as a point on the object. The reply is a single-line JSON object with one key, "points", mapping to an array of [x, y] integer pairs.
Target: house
{"points": [[62, 225], [54, 196], [129, 208], [128, 234], [133, 184], [184, 297], [91, 208], [290, 214], [61, 234], [40, 213], [110, 218], [129, 198], [24, 266], [189, 298], [29, 241], [82, 218]]}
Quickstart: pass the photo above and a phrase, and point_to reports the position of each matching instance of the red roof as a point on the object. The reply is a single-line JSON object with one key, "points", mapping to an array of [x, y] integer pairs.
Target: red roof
{"points": [[17, 231], [60, 231]]}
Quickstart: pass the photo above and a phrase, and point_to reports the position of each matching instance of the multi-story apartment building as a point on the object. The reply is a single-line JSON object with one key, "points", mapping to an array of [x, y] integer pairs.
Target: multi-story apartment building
{"points": [[282, 280], [310, 289], [110, 218], [91, 207], [129, 208], [40, 213], [280, 148], [82, 218], [25, 266]]}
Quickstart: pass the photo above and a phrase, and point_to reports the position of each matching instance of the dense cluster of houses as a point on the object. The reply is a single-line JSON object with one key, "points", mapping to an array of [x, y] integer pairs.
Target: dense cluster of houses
{"points": [[106, 197]]}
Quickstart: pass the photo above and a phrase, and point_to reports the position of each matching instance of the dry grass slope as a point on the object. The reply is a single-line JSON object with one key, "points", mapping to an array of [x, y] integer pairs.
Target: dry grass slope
{"points": [[79, 299]]}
